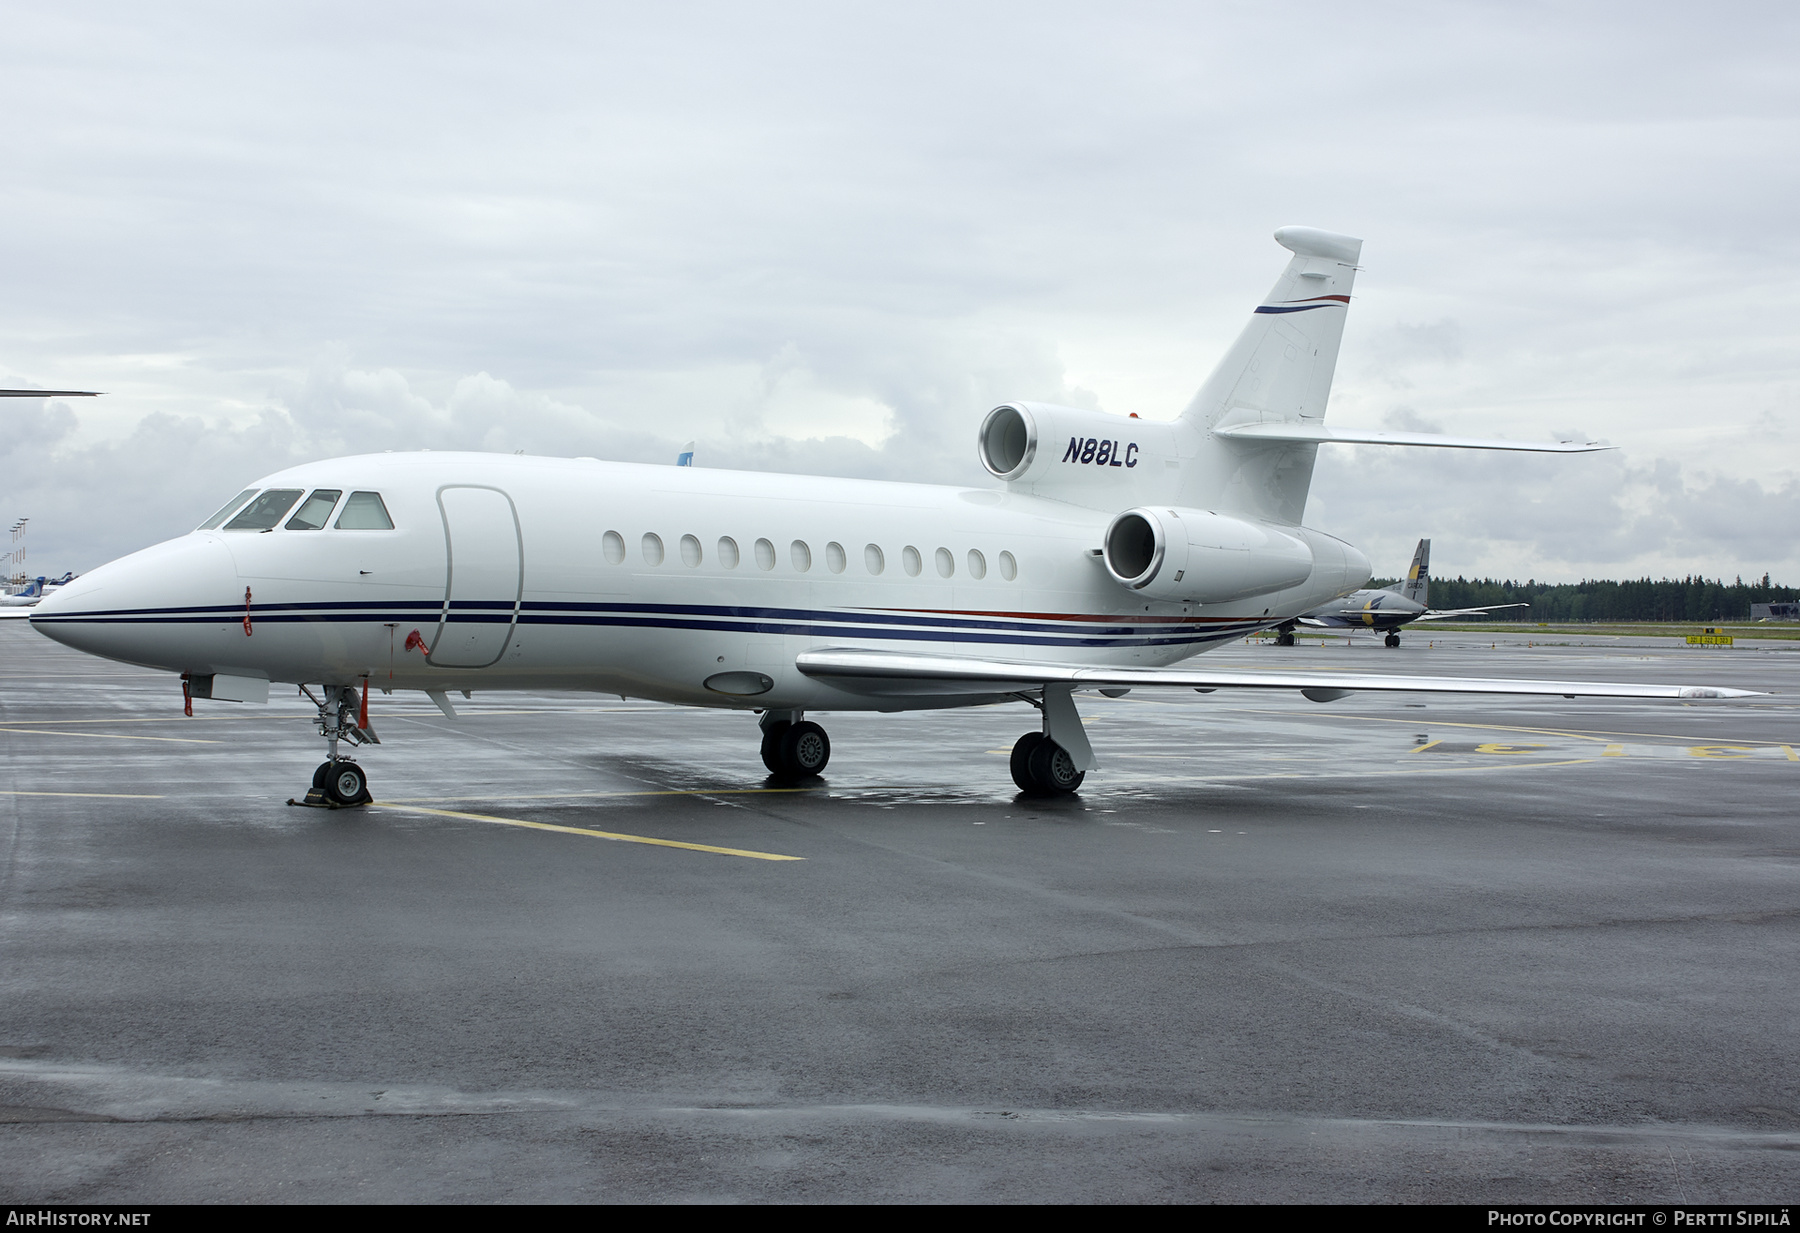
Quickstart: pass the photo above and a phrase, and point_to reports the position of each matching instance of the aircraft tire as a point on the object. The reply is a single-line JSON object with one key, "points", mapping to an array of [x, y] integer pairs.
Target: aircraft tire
{"points": [[346, 784], [1021, 761], [771, 746], [321, 775], [1053, 771], [1393, 639], [1284, 640], [805, 749]]}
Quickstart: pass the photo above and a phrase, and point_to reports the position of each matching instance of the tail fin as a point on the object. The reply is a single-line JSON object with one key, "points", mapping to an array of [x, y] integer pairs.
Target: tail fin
{"points": [[1417, 586], [1279, 371]]}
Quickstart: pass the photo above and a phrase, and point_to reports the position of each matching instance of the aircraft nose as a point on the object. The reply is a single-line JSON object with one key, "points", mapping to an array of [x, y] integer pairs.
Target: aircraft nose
{"points": [[145, 608]]}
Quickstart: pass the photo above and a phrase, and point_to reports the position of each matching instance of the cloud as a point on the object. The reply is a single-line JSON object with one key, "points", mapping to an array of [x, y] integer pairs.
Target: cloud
{"points": [[829, 238]]}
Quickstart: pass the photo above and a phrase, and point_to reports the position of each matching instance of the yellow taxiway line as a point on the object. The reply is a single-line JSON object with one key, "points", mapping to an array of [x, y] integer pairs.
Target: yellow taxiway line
{"points": [[581, 830], [110, 736]]}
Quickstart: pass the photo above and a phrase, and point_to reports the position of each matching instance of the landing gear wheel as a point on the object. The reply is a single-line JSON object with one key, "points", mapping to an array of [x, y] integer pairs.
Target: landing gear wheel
{"points": [[1048, 768], [345, 784], [321, 775], [1021, 760], [771, 745], [1284, 640], [1393, 639], [804, 749]]}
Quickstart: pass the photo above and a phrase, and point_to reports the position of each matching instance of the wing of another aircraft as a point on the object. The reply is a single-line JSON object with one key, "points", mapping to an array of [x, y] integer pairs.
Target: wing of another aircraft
{"points": [[1438, 614], [897, 674]]}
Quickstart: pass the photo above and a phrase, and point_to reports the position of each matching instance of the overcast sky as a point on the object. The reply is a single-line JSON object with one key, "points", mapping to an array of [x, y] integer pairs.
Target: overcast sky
{"points": [[829, 237]]}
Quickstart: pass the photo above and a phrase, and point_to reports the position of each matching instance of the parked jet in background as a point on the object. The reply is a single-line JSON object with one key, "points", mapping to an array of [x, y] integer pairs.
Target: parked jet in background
{"points": [[1113, 549], [34, 591], [1387, 608]]}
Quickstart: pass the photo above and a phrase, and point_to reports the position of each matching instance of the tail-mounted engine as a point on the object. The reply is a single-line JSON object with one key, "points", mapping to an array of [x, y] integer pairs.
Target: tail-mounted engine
{"points": [[1193, 556], [1088, 457]]}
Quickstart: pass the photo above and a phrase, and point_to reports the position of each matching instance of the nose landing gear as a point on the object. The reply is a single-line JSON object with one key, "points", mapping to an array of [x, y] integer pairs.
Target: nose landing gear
{"points": [[340, 783]]}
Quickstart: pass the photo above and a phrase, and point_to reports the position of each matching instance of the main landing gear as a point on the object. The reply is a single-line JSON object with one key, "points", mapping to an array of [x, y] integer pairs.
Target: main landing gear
{"points": [[1041, 767], [339, 782], [1284, 635], [1053, 762], [1393, 640], [793, 748]]}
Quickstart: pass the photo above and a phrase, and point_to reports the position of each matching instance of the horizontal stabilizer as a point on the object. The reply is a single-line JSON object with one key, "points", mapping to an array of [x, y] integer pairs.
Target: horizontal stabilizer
{"points": [[1321, 435], [894, 674]]}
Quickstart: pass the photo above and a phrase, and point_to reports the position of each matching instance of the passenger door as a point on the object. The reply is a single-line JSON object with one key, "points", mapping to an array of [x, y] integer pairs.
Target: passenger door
{"points": [[486, 574]]}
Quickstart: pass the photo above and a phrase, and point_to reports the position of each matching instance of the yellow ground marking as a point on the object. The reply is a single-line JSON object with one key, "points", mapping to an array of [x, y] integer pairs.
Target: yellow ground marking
{"points": [[1493, 747], [111, 796], [1791, 755], [1421, 721], [110, 736], [1613, 751], [560, 796], [1721, 751], [581, 830], [1425, 746]]}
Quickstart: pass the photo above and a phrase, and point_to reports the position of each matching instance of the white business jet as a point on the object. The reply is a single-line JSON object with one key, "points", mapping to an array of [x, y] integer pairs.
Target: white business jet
{"points": [[1114, 549]]}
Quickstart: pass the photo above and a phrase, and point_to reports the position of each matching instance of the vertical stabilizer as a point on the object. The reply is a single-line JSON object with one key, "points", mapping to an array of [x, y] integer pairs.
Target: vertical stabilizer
{"points": [[1417, 584], [1279, 372]]}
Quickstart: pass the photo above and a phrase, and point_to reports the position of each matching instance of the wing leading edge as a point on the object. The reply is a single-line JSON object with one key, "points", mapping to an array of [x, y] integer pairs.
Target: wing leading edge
{"points": [[895, 674]]}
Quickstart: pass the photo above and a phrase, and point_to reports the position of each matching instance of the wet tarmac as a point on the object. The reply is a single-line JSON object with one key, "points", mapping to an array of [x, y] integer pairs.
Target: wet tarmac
{"points": [[1386, 949]]}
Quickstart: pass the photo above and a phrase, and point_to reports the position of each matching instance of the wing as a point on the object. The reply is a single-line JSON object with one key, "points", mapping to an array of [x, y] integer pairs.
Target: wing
{"points": [[896, 674], [1438, 614]]}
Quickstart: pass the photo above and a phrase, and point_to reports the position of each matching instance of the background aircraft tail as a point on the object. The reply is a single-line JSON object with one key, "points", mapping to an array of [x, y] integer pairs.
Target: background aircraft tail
{"points": [[1277, 372], [1417, 584]]}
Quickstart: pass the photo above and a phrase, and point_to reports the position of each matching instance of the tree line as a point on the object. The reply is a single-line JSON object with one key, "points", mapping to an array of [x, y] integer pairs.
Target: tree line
{"points": [[1643, 599]]}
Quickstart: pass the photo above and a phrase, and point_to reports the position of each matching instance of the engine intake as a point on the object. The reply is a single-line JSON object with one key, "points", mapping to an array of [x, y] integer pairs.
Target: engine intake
{"points": [[1195, 556]]}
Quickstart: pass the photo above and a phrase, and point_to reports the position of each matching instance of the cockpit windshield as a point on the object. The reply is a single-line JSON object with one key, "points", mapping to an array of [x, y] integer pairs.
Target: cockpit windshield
{"points": [[364, 512], [226, 509], [317, 510], [264, 512]]}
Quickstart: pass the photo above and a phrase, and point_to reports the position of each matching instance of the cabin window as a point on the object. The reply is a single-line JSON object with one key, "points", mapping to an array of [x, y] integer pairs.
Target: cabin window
{"points": [[873, 561], [765, 554], [977, 564], [834, 557], [364, 512], [690, 551], [229, 506], [263, 513], [613, 545], [315, 512], [653, 549], [946, 563], [909, 557], [1009, 568], [801, 554], [728, 552]]}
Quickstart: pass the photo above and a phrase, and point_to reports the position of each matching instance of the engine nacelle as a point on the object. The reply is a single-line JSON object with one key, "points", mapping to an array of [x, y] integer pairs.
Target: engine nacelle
{"points": [[1032, 444], [1193, 556]]}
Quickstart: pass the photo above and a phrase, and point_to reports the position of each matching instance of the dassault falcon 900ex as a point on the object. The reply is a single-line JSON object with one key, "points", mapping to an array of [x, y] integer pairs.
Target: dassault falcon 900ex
{"points": [[1114, 549]]}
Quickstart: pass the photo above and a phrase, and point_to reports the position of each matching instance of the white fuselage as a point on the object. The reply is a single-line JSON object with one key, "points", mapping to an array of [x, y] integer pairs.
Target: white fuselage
{"points": [[507, 572]]}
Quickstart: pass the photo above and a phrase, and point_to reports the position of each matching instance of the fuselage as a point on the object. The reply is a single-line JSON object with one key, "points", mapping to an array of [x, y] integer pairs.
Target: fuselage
{"points": [[509, 572]]}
